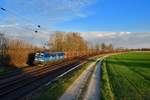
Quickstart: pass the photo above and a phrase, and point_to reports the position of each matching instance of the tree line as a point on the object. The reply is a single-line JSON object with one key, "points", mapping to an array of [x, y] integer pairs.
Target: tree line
{"points": [[15, 51], [73, 41]]}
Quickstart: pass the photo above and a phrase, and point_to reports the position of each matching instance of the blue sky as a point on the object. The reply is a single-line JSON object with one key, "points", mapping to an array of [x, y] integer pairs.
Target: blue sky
{"points": [[98, 17], [114, 15]]}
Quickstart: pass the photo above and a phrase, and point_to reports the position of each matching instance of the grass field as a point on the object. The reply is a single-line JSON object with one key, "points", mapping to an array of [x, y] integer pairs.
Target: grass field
{"points": [[126, 76]]}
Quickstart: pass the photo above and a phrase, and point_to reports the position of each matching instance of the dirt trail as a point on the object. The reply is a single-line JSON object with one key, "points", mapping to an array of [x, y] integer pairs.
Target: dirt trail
{"points": [[93, 91], [73, 92]]}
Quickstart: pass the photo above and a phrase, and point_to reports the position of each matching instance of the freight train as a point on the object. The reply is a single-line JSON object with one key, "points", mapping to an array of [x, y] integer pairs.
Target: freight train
{"points": [[45, 57]]}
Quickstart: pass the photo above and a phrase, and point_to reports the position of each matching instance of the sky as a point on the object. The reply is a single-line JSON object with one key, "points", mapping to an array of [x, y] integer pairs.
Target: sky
{"points": [[124, 23]]}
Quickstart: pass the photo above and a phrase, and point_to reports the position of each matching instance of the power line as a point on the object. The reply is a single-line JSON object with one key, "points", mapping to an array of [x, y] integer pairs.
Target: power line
{"points": [[37, 26], [20, 17]]}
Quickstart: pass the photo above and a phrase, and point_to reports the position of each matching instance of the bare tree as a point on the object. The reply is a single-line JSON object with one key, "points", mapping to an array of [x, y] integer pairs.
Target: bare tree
{"points": [[19, 51], [74, 44], [110, 47], [97, 47], [3, 48], [103, 46], [60, 41], [56, 41], [3, 44]]}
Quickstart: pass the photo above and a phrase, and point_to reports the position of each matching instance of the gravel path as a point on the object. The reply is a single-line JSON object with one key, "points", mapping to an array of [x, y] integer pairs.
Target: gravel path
{"points": [[73, 92], [93, 91]]}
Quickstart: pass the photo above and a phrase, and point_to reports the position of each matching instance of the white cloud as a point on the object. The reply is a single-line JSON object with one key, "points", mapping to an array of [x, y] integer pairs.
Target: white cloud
{"points": [[109, 34], [120, 39], [104, 35], [26, 32], [8, 25], [50, 10]]}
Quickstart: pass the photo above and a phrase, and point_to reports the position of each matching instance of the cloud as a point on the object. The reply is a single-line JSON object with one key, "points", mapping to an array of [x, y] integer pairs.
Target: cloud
{"points": [[22, 15], [120, 39], [104, 35], [110, 34], [26, 32], [50, 10], [7, 25]]}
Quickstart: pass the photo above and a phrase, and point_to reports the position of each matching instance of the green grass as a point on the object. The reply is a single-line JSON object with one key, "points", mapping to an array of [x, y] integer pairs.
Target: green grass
{"points": [[129, 75], [105, 89], [56, 89]]}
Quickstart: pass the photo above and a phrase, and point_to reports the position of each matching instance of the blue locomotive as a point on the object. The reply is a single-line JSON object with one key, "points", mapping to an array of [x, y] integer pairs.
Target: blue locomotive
{"points": [[45, 57]]}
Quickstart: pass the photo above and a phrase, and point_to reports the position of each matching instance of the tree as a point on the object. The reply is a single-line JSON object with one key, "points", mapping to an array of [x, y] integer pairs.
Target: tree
{"points": [[103, 46], [56, 41], [60, 41], [97, 47], [3, 44], [3, 48], [110, 47], [75, 42]]}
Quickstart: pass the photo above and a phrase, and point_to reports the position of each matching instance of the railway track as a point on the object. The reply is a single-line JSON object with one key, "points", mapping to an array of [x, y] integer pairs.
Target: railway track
{"points": [[20, 85], [27, 69], [30, 71]]}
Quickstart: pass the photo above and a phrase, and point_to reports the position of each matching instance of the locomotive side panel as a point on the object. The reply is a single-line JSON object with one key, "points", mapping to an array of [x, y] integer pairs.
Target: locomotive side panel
{"points": [[45, 57]]}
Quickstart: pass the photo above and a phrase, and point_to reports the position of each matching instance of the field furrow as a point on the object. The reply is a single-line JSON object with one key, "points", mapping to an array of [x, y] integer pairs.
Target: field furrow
{"points": [[129, 75]]}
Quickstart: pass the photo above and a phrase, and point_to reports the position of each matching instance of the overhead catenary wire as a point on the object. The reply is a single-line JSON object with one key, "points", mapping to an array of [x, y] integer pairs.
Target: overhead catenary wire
{"points": [[23, 18], [34, 30], [37, 26], [20, 17]]}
